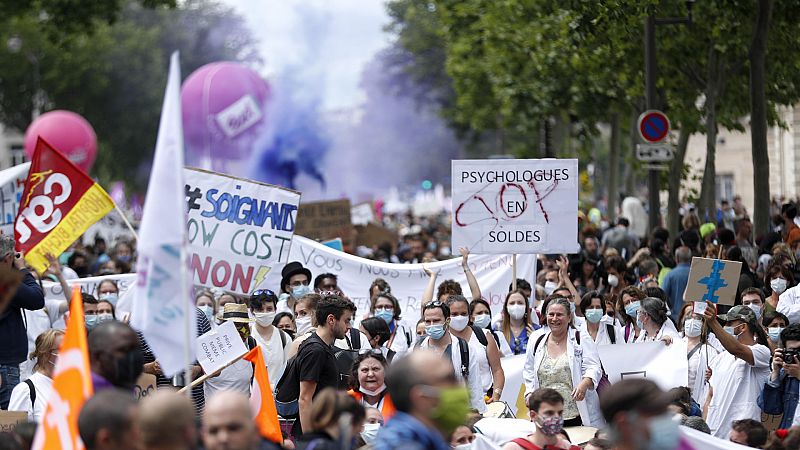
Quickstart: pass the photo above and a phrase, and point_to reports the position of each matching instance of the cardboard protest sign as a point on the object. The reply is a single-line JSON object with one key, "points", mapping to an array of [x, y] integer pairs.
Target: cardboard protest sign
{"points": [[666, 365], [219, 347], [10, 419], [504, 206], [238, 229], [371, 235], [12, 183], [325, 220], [145, 385], [713, 280]]}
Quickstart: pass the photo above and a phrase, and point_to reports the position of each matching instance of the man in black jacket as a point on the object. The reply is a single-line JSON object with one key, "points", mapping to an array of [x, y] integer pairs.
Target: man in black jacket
{"points": [[13, 336]]}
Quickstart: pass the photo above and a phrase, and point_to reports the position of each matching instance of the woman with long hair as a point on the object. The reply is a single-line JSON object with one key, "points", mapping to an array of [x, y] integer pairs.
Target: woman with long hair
{"points": [[517, 326], [698, 351]]}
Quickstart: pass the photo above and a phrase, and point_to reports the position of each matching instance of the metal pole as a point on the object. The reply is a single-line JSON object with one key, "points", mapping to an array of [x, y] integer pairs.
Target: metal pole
{"points": [[650, 67]]}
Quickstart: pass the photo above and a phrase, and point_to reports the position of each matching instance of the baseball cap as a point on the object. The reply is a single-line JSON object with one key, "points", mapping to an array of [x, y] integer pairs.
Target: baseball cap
{"points": [[739, 312]]}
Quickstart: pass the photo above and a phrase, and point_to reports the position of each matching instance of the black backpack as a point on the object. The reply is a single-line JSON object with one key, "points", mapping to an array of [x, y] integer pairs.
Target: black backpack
{"points": [[287, 391], [346, 356], [481, 336]]}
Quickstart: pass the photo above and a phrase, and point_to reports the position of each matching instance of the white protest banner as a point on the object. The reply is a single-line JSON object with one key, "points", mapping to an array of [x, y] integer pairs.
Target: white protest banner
{"points": [[666, 365], [12, 183], [514, 389], [219, 347], [692, 439], [124, 282], [238, 229], [505, 206], [407, 281]]}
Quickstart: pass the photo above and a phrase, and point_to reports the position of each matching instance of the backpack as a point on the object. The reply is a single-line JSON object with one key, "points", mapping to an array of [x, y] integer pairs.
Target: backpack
{"points": [[481, 336], [611, 335], [463, 349], [345, 358], [32, 393], [287, 391]]}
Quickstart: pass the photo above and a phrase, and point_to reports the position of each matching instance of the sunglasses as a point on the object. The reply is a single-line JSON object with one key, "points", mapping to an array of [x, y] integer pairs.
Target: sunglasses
{"points": [[263, 292]]}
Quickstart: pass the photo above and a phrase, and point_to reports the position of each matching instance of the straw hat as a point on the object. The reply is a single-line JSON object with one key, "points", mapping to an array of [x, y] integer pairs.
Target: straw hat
{"points": [[235, 312]]}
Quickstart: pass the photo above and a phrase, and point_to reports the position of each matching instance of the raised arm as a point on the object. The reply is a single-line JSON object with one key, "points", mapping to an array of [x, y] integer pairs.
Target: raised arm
{"points": [[563, 275], [55, 269], [474, 288], [428, 294], [730, 343]]}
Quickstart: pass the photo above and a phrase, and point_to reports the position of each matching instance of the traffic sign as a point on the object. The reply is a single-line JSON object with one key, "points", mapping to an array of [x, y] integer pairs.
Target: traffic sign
{"points": [[653, 126], [654, 152]]}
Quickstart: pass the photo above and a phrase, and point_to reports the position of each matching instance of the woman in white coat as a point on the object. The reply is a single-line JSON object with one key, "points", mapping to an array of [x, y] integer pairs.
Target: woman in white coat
{"points": [[653, 319], [564, 360]]}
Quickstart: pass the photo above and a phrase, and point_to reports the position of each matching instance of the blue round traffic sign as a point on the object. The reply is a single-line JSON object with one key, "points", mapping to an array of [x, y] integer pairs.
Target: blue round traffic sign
{"points": [[653, 126]]}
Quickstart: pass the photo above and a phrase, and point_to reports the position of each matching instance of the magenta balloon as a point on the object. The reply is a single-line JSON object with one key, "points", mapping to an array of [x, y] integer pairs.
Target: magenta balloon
{"points": [[68, 132], [224, 112]]}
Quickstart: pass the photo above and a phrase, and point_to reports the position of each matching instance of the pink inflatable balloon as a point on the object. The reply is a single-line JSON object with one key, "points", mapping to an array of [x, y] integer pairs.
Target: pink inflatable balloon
{"points": [[224, 113], [68, 132]]}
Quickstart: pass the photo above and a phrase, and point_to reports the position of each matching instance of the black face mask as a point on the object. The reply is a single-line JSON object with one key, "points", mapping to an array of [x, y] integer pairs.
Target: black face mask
{"points": [[128, 368]]}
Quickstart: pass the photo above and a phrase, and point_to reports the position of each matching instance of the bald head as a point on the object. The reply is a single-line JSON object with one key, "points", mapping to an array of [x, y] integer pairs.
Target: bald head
{"points": [[228, 423], [420, 367], [166, 420]]}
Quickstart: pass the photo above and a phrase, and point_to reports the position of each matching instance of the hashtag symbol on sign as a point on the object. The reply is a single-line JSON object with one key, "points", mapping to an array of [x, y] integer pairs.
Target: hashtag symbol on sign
{"points": [[713, 282], [192, 196]]}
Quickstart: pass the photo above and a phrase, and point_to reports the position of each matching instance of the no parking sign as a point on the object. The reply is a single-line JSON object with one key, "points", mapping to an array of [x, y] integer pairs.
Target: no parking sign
{"points": [[653, 126]]}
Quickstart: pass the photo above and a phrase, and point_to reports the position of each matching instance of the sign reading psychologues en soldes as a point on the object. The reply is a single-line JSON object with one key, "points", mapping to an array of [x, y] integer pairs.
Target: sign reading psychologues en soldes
{"points": [[515, 205], [238, 229]]}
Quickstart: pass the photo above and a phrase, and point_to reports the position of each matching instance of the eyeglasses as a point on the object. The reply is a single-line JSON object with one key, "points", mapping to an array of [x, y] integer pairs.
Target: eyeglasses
{"points": [[258, 292], [371, 351], [434, 304]]}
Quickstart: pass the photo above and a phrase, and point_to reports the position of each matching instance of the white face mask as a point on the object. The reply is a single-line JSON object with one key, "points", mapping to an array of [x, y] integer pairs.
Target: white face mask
{"points": [[482, 320], [264, 318], [104, 317], [778, 285], [370, 432], [550, 287], [517, 312], [463, 447], [613, 280], [303, 324], [458, 323], [692, 327], [756, 309], [374, 393]]}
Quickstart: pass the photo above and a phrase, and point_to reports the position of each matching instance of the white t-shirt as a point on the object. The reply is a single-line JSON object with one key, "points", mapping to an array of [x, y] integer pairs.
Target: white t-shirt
{"points": [[38, 322], [235, 377], [399, 341], [275, 352], [473, 380], [736, 386], [483, 361], [21, 396]]}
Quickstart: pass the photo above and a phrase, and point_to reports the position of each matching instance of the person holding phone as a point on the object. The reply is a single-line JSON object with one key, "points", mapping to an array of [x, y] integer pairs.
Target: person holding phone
{"points": [[781, 390]]}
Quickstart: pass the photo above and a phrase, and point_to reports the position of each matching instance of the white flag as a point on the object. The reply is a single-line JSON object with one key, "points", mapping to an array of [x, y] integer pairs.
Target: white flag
{"points": [[163, 310]]}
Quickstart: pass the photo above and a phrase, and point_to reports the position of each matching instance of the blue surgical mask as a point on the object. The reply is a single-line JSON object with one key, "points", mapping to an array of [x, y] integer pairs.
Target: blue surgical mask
{"points": [[104, 318], [774, 334], [111, 297], [692, 327], [208, 311], [632, 307], [664, 433], [756, 309], [300, 291], [386, 314], [435, 332], [594, 315], [482, 320], [91, 321]]}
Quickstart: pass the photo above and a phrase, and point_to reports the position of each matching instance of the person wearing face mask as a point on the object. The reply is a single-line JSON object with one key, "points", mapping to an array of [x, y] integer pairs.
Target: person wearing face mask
{"points": [[373, 422], [773, 323], [517, 326], [551, 281], [107, 290], [89, 311], [386, 307], [780, 395], [295, 280], [698, 352], [377, 334], [738, 374], [429, 400], [114, 356], [638, 418], [463, 356], [493, 378], [593, 309], [753, 298], [204, 301], [32, 394], [481, 314], [105, 311], [777, 280], [616, 270], [652, 318], [273, 341], [463, 436], [546, 408], [630, 300], [305, 320], [368, 383]]}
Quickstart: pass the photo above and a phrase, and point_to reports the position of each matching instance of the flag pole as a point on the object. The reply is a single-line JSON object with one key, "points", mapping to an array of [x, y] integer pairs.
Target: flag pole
{"points": [[514, 272], [187, 325], [125, 219]]}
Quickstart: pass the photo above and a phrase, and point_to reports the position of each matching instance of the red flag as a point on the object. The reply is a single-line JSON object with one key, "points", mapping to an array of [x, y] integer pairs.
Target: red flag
{"points": [[261, 400], [58, 204]]}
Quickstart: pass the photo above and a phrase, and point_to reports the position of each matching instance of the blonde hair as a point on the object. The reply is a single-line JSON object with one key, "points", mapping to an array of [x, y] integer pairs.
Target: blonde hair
{"points": [[45, 344]]}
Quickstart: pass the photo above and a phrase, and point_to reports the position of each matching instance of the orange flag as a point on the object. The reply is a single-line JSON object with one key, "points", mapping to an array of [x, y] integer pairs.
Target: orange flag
{"points": [[58, 204], [261, 400], [72, 386]]}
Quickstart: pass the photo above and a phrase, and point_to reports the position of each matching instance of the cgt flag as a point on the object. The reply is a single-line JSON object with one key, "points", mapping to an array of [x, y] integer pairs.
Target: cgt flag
{"points": [[58, 204], [72, 386], [266, 415]]}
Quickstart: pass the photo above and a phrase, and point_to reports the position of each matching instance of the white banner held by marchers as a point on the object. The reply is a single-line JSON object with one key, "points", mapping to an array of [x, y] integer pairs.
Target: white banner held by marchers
{"points": [[505, 206], [219, 347], [407, 281], [238, 229], [12, 183], [664, 364]]}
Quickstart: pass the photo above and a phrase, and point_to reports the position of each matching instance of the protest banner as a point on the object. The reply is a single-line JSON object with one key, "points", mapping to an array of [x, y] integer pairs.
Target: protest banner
{"points": [[514, 389], [362, 214], [713, 280], [238, 229], [407, 281], [219, 347], [505, 206], [664, 364], [58, 204], [12, 182], [10, 419], [89, 285], [325, 220], [145, 385]]}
